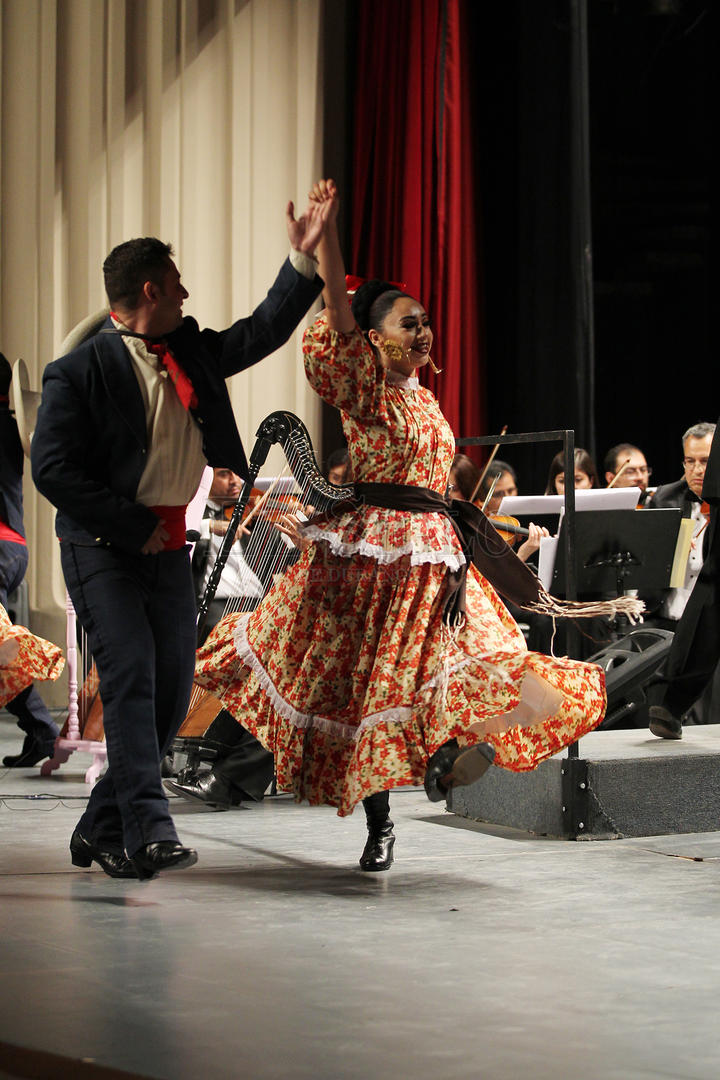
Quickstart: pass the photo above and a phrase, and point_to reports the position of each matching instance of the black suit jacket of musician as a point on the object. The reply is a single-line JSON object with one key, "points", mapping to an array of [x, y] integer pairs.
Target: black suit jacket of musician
{"points": [[677, 494], [711, 484], [89, 447]]}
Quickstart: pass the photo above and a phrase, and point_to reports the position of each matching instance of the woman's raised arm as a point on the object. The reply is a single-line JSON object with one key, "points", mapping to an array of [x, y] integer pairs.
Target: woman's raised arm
{"points": [[331, 265]]}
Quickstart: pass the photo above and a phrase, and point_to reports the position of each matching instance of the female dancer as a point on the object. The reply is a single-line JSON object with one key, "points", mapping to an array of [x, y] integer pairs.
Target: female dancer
{"points": [[351, 671], [24, 658]]}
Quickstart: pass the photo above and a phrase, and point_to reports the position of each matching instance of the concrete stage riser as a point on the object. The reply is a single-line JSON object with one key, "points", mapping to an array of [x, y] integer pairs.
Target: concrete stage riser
{"points": [[622, 784]]}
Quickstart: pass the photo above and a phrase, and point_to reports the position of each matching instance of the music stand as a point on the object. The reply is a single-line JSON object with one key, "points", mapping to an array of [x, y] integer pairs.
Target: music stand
{"points": [[620, 550]]}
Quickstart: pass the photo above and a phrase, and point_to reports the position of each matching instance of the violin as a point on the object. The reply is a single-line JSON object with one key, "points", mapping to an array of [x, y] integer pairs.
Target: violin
{"points": [[508, 527], [255, 493]]}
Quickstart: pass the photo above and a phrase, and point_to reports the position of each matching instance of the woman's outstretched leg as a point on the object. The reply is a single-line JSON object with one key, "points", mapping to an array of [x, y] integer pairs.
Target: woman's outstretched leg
{"points": [[455, 766]]}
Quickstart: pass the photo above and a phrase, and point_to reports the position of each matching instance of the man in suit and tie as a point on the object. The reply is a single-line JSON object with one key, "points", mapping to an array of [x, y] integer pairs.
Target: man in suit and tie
{"points": [[128, 421], [695, 651], [686, 494]]}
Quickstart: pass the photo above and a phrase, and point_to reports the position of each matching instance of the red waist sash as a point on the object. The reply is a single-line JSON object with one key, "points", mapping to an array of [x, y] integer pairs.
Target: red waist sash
{"points": [[173, 518]]}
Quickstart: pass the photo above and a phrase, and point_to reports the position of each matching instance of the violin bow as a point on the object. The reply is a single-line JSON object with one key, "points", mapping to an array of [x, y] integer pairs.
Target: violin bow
{"points": [[261, 502], [619, 473], [702, 529], [483, 474], [489, 495]]}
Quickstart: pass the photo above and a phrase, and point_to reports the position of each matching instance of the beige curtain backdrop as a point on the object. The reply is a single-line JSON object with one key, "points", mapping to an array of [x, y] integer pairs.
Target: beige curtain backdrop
{"points": [[192, 120]]}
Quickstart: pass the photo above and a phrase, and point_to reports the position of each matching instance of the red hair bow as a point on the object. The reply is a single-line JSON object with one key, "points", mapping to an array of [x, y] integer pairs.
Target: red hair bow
{"points": [[353, 283]]}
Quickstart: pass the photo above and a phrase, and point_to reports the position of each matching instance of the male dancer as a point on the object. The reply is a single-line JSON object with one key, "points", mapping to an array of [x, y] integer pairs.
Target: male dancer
{"points": [[125, 427]]}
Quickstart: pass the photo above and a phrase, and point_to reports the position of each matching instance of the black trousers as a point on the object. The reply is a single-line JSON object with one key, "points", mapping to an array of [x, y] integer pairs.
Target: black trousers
{"points": [[139, 615], [28, 707]]}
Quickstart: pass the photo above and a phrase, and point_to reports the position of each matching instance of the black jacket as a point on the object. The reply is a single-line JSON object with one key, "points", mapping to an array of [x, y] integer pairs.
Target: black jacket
{"points": [[674, 495], [11, 472], [89, 448], [711, 485]]}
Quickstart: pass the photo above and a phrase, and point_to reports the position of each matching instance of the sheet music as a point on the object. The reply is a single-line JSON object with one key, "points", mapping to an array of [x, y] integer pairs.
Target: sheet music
{"points": [[682, 553], [585, 499], [591, 499], [546, 560]]}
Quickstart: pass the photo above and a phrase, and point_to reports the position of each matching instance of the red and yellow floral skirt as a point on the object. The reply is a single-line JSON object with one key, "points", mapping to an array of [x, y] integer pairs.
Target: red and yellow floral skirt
{"points": [[348, 675]]}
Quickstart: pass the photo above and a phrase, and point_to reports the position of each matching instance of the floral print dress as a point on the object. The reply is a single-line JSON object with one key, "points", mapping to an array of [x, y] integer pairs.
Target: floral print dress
{"points": [[346, 671], [24, 658]]}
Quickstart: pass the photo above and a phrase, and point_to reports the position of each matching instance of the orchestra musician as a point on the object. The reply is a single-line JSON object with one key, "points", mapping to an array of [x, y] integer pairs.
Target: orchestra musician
{"points": [[687, 494], [502, 478], [338, 468], [465, 479], [625, 466], [586, 476], [238, 581], [125, 427]]}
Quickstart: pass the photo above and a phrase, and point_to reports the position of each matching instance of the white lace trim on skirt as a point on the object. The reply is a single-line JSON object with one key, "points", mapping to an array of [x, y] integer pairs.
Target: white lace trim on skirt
{"points": [[452, 559]]}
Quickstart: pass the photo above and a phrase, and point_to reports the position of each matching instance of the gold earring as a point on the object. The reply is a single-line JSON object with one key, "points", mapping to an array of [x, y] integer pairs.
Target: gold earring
{"points": [[393, 351], [433, 367]]}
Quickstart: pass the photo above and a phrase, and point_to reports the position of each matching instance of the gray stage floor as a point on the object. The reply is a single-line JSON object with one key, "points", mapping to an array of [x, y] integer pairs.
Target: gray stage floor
{"points": [[483, 953]]}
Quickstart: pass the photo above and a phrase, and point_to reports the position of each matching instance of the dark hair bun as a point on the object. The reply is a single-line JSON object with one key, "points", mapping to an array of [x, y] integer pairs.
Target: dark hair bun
{"points": [[365, 297]]}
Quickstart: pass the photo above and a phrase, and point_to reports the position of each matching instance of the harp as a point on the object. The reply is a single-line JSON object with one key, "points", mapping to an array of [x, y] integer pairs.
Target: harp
{"points": [[203, 734]]}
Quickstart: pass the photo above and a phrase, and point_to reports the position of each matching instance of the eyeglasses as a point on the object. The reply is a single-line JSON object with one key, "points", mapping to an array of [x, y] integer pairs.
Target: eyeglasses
{"points": [[640, 470], [695, 463]]}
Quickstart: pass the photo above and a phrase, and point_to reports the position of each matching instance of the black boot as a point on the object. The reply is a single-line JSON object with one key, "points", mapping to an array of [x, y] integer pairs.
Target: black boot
{"points": [[378, 851], [32, 752]]}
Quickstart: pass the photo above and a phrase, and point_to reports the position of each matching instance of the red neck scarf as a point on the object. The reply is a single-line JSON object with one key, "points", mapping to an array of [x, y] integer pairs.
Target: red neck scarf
{"points": [[180, 379]]}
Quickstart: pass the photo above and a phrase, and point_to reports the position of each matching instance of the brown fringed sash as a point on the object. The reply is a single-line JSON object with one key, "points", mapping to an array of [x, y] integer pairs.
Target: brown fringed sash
{"points": [[483, 546]]}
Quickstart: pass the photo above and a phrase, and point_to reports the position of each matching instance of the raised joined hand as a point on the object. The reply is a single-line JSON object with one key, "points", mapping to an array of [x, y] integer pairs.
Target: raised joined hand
{"points": [[306, 231]]}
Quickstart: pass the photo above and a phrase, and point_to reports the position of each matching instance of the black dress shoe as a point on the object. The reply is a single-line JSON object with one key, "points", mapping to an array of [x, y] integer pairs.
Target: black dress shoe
{"points": [[378, 851], [83, 852], [450, 766], [208, 788], [663, 723], [162, 855], [32, 752]]}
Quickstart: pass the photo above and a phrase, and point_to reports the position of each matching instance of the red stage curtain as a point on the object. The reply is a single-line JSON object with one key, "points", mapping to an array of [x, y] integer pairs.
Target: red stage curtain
{"points": [[414, 203]]}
